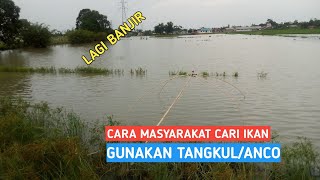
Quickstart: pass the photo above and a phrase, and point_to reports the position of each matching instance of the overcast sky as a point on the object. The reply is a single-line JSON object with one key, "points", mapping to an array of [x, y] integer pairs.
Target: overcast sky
{"points": [[62, 14]]}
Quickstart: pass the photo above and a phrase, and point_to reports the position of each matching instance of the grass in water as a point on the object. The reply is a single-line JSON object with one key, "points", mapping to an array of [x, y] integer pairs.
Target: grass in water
{"points": [[183, 73], [40, 142], [138, 72], [262, 74], [180, 73], [66, 70], [236, 74], [224, 74], [52, 70], [92, 70], [205, 74], [27, 69], [173, 73]]}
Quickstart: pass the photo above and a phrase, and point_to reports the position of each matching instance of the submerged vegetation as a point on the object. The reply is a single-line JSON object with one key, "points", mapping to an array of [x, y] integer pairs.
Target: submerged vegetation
{"points": [[39, 142], [138, 72], [180, 73], [104, 71], [28, 69], [262, 74], [53, 70], [205, 74], [236, 74], [224, 74]]}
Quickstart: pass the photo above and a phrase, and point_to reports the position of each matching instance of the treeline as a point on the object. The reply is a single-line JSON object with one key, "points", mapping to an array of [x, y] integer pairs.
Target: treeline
{"points": [[313, 23], [17, 33], [90, 26], [168, 28]]}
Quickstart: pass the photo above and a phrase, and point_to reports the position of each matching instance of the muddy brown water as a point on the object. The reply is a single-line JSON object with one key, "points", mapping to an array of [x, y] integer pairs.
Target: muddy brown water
{"points": [[288, 99]]}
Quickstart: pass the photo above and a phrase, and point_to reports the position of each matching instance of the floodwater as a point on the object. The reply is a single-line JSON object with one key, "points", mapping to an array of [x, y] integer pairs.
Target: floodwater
{"points": [[288, 99]]}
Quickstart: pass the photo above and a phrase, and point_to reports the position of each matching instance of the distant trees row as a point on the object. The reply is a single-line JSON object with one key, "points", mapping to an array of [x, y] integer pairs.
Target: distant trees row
{"points": [[168, 28], [312, 23]]}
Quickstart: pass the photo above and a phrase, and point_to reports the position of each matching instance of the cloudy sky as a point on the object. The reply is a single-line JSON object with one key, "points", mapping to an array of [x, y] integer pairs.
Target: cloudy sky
{"points": [[62, 14]]}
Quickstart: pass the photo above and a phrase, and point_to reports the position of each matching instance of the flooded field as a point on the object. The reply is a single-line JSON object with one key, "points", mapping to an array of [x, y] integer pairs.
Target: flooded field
{"points": [[288, 98]]}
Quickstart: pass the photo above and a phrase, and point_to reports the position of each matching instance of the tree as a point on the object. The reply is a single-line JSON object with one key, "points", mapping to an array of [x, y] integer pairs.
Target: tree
{"points": [[177, 28], [169, 28], [273, 23], [92, 20], [35, 35], [9, 21], [160, 28], [147, 33]]}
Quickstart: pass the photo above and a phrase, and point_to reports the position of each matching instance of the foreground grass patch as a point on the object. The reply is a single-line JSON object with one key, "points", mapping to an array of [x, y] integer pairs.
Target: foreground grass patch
{"points": [[39, 142]]}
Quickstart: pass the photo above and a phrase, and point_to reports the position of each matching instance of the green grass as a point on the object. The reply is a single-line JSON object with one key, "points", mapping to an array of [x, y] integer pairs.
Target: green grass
{"points": [[224, 74], [27, 69], [180, 73], [92, 70], [138, 72], [235, 74], [205, 74], [66, 70], [52, 70], [40, 142], [262, 74], [183, 73], [282, 31], [172, 73]]}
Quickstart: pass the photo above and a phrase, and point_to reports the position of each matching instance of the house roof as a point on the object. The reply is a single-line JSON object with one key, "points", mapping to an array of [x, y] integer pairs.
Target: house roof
{"points": [[205, 29]]}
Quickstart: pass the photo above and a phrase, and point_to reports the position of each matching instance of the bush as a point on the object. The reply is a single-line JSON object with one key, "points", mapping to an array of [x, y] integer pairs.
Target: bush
{"points": [[36, 35], [85, 36], [3, 46], [39, 142]]}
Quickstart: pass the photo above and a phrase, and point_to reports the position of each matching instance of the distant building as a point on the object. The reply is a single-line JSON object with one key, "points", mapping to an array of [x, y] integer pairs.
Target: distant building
{"points": [[247, 28], [218, 30], [268, 25], [230, 29], [204, 30]]}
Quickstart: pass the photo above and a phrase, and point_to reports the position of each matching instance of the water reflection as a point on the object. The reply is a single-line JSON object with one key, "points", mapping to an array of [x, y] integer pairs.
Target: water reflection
{"points": [[288, 98]]}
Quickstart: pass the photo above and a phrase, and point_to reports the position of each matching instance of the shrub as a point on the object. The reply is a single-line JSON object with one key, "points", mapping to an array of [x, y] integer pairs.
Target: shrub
{"points": [[36, 35], [85, 36]]}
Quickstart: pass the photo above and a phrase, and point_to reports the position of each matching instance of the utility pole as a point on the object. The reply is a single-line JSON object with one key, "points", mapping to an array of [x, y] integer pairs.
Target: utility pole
{"points": [[124, 10]]}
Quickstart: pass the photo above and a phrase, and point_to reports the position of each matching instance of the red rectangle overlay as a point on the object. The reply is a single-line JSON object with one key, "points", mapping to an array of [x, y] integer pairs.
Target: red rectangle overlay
{"points": [[188, 133]]}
